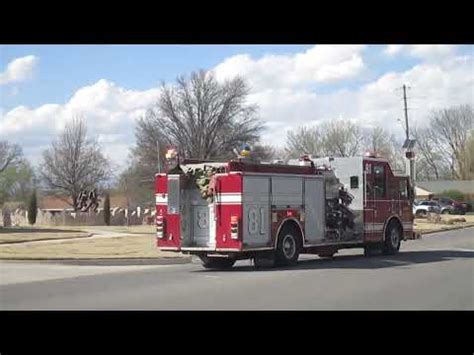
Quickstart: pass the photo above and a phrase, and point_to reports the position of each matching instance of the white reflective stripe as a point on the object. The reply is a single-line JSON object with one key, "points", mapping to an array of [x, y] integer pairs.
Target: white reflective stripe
{"points": [[223, 198], [229, 198], [373, 227], [161, 200]]}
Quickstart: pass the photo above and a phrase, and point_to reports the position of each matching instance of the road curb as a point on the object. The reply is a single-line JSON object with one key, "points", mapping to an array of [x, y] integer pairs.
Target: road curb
{"points": [[445, 230]]}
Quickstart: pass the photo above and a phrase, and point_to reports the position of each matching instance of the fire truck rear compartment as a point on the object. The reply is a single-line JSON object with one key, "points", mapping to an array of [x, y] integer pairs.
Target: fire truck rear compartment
{"points": [[197, 220]]}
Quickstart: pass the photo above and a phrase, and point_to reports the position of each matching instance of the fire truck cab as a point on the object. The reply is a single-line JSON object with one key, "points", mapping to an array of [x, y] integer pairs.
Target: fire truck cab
{"points": [[272, 213]]}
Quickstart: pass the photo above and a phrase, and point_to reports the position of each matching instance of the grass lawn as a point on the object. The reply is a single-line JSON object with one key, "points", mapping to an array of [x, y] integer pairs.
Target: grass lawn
{"points": [[138, 229], [26, 234], [136, 246], [422, 225]]}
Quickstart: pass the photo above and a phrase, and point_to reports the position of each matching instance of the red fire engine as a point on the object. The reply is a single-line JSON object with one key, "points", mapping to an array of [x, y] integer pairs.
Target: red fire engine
{"points": [[272, 213]]}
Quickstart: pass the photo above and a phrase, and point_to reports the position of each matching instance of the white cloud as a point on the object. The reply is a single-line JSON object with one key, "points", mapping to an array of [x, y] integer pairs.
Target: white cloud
{"points": [[110, 112], [319, 64], [393, 49], [426, 52], [19, 69], [433, 86], [281, 86]]}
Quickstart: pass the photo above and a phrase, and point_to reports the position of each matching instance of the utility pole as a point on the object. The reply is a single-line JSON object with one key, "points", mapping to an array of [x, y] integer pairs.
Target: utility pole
{"points": [[407, 130], [410, 155]]}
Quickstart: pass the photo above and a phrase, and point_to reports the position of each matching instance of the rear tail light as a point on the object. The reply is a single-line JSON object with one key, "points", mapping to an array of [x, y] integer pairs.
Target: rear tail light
{"points": [[234, 227], [160, 227]]}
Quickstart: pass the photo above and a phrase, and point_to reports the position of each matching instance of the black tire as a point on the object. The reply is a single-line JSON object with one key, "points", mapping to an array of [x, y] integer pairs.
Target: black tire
{"points": [[371, 250], [393, 238], [445, 212], [288, 246], [217, 263]]}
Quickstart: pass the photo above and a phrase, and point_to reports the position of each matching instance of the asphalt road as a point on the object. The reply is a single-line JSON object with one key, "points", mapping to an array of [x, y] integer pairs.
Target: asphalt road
{"points": [[435, 273]]}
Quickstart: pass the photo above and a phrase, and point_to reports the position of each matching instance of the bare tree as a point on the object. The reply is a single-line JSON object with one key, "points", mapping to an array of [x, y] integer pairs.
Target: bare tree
{"points": [[341, 139], [334, 138], [264, 152], [385, 145], [10, 154], [73, 163], [135, 183], [205, 119], [151, 145], [468, 156], [304, 140], [451, 127], [432, 162], [378, 141]]}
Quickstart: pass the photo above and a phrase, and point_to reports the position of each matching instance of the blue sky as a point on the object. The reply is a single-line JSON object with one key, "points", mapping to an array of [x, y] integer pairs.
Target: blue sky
{"points": [[64, 69], [41, 86]]}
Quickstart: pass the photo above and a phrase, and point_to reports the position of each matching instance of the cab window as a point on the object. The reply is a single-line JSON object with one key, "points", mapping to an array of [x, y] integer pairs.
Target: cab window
{"points": [[354, 182], [403, 189], [379, 181]]}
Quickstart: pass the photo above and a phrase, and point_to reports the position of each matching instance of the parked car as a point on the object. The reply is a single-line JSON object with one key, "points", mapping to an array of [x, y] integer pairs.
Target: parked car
{"points": [[469, 205], [423, 207], [451, 206]]}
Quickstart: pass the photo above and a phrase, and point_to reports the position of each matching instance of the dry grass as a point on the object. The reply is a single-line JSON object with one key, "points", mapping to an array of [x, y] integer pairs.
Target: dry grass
{"points": [[447, 222], [27, 234], [138, 229], [114, 247], [132, 246]]}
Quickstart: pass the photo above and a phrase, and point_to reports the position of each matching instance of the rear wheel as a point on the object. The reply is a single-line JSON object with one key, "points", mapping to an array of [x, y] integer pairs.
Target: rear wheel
{"points": [[217, 263], [445, 211], [288, 246], [393, 237], [370, 250]]}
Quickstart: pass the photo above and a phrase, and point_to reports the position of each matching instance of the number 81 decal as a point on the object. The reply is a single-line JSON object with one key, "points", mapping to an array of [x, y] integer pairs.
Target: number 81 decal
{"points": [[256, 219]]}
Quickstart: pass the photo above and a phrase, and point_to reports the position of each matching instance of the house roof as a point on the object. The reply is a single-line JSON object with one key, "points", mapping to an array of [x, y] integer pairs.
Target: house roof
{"points": [[438, 186], [419, 191]]}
